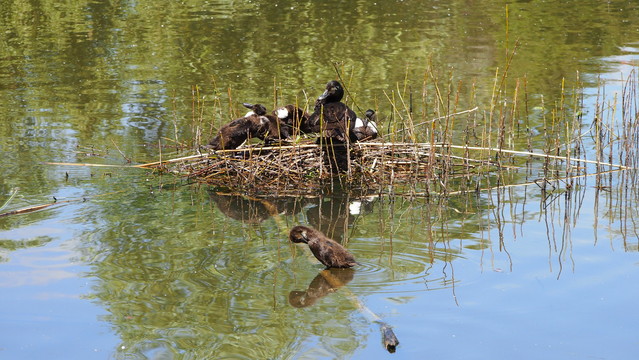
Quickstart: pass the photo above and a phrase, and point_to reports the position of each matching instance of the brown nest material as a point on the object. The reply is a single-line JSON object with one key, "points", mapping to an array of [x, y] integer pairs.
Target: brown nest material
{"points": [[308, 167]]}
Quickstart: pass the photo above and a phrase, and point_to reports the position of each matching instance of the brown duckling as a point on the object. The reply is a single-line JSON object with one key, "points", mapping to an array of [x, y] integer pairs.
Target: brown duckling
{"points": [[278, 129], [294, 119], [233, 134], [364, 129], [256, 109], [327, 251]]}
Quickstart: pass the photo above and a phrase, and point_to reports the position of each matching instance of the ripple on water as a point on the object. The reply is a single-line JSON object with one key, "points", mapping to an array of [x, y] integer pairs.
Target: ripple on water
{"points": [[410, 267]]}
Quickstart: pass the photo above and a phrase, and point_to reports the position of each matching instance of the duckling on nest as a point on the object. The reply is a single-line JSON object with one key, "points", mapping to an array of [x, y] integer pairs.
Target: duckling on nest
{"points": [[239, 130], [294, 119], [255, 109], [327, 251], [280, 122], [364, 129]]}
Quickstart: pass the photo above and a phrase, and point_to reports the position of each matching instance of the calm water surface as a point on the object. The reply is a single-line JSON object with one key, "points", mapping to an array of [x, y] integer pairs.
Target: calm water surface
{"points": [[133, 265]]}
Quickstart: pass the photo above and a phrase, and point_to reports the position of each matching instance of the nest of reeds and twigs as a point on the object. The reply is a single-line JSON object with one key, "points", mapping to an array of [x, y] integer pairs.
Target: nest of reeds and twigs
{"points": [[307, 167]]}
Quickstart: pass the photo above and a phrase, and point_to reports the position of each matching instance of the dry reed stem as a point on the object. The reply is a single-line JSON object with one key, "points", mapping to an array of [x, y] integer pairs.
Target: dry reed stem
{"points": [[527, 153], [96, 165]]}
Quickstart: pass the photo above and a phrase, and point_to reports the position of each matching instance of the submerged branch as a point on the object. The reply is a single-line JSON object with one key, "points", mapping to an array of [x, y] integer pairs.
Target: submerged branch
{"points": [[388, 336], [90, 165]]}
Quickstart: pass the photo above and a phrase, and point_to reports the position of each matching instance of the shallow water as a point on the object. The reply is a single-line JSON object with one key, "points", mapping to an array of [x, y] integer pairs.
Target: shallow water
{"points": [[128, 264]]}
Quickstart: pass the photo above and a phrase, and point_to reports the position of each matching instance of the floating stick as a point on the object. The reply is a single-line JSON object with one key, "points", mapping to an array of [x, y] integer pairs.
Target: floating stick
{"points": [[388, 336]]}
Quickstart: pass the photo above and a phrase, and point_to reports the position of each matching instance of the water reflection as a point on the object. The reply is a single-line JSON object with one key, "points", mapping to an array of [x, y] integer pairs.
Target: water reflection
{"points": [[392, 259], [7, 246], [332, 215], [326, 282], [179, 277], [223, 280], [252, 210]]}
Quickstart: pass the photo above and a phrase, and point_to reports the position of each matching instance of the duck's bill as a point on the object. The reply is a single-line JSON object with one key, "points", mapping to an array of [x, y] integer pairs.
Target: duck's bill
{"points": [[323, 96]]}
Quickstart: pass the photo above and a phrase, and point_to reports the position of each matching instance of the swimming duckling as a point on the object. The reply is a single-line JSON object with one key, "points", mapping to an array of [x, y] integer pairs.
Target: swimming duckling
{"points": [[327, 251]]}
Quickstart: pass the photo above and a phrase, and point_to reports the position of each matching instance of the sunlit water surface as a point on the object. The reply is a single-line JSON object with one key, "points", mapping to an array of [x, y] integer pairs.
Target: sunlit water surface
{"points": [[128, 264]]}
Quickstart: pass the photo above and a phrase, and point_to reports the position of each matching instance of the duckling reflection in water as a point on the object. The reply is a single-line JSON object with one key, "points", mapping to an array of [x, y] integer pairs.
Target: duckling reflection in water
{"points": [[326, 282], [327, 251]]}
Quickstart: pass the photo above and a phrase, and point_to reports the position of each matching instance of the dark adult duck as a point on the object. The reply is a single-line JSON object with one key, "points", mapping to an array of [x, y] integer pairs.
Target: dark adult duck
{"points": [[331, 117]]}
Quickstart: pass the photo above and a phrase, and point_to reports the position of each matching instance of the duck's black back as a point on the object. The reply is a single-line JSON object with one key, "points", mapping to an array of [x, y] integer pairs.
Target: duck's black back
{"points": [[332, 120], [338, 118]]}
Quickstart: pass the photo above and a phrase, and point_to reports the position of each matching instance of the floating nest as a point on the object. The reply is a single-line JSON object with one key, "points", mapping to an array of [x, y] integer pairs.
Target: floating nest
{"points": [[306, 167]]}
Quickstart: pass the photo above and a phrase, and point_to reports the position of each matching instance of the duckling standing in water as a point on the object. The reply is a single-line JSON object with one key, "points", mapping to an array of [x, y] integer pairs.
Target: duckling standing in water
{"points": [[327, 251]]}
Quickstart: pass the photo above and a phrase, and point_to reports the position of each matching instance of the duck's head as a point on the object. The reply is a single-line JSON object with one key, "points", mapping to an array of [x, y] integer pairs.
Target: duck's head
{"points": [[299, 234], [371, 126], [371, 115], [256, 109], [334, 92]]}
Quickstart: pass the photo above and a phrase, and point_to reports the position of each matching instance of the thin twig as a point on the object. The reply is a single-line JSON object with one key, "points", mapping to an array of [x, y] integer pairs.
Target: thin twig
{"points": [[121, 153], [435, 119]]}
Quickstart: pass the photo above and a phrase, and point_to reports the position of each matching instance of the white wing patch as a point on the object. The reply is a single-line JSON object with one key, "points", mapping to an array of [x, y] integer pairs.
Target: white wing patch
{"points": [[371, 125], [282, 113]]}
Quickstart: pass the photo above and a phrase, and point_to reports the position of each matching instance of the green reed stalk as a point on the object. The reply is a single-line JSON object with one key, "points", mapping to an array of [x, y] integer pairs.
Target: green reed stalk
{"points": [[13, 194]]}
